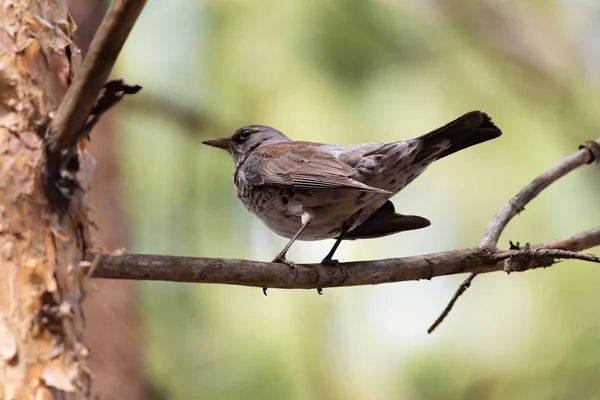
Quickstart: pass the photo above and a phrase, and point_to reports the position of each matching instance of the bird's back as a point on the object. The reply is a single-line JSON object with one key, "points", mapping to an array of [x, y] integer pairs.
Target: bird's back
{"points": [[392, 166]]}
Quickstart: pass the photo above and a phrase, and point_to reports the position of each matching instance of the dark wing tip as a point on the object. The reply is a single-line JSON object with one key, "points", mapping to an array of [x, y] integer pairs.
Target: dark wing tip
{"points": [[488, 124]]}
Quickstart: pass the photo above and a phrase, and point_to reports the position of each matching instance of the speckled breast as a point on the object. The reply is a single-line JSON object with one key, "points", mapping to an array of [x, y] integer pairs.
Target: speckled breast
{"points": [[280, 208], [271, 205]]}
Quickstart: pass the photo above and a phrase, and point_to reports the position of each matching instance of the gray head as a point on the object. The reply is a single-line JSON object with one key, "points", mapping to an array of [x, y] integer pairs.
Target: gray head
{"points": [[246, 139]]}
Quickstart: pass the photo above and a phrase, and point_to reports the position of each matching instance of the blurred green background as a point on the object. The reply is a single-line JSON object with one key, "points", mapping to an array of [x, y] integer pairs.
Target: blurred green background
{"points": [[345, 72]]}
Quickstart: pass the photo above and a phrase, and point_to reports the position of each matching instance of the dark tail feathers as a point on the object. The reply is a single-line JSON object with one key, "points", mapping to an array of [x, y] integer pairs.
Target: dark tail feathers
{"points": [[468, 130]]}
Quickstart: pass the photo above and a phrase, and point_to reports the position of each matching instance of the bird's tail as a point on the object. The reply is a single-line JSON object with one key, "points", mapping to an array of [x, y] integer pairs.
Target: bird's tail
{"points": [[468, 130], [386, 221]]}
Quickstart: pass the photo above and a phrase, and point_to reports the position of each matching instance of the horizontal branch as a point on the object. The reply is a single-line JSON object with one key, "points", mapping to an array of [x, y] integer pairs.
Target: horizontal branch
{"points": [[313, 276]]}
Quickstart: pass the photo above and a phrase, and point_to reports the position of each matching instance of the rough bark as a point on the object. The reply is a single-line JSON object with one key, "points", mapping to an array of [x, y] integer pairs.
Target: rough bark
{"points": [[41, 323]]}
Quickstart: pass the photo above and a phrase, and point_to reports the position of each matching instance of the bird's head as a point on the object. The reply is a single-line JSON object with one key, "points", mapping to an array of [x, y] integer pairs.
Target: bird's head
{"points": [[247, 139]]}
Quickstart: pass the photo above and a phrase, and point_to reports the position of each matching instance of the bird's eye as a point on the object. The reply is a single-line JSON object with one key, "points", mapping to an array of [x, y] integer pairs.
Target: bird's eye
{"points": [[242, 135], [245, 133]]}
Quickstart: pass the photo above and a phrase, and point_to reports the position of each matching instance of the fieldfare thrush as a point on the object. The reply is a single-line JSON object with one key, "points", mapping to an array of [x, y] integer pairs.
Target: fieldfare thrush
{"points": [[313, 191]]}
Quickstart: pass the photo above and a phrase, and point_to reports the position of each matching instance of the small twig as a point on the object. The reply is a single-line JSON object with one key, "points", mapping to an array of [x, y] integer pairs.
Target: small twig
{"points": [[521, 260], [538, 253], [112, 92], [461, 289], [587, 153]]}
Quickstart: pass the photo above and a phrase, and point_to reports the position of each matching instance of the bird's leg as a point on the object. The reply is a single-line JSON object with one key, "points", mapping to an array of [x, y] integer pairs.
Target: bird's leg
{"points": [[280, 258], [306, 219], [328, 260]]}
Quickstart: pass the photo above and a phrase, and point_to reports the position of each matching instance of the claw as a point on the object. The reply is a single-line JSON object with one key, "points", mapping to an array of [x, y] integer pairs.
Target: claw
{"points": [[282, 260], [331, 263]]}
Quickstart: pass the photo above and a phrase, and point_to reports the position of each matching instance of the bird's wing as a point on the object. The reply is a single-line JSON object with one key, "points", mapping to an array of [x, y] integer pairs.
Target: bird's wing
{"points": [[303, 166]]}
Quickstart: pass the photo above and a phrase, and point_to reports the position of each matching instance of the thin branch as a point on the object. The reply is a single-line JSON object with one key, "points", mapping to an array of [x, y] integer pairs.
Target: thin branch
{"points": [[538, 256], [461, 289], [92, 75], [577, 242], [514, 206], [585, 155], [515, 259]]}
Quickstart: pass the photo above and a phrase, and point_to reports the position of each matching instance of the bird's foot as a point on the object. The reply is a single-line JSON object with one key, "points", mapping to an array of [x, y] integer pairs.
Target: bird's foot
{"points": [[280, 258], [329, 262]]}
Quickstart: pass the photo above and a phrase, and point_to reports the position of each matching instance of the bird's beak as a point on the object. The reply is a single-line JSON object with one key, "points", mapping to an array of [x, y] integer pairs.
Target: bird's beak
{"points": [[223, 143]]}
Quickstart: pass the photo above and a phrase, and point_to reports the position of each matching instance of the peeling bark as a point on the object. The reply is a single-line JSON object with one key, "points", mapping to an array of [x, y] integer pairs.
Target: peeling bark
{"points": [[41, 290]]}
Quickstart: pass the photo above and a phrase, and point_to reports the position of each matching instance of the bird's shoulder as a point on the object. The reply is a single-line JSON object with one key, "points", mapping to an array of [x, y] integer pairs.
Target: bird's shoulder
{"points": [[297, 157], [298, 147]]}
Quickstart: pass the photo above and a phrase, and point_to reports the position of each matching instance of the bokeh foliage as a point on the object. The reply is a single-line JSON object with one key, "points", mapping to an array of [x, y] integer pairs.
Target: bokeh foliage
{"points": [[351, 71]]}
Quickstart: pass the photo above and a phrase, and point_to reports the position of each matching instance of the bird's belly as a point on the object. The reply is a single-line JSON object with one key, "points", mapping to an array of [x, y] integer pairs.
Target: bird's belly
{"points": [[280, 209]]}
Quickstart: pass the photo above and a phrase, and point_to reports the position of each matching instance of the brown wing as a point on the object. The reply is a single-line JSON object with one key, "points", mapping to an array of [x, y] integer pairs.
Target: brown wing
{"points": [[302, 166]]}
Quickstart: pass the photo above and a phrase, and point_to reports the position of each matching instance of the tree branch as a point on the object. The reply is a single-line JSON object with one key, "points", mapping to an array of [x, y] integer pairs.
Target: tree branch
{"points": [[461, 289], [73, 119], [312, 276], [92, 75], [588, 153], [514, 206], [579, 241], [483, 259]]}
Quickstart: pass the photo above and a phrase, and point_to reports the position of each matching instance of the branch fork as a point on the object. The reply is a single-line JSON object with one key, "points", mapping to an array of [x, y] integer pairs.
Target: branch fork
{"points": [[82, 105]]}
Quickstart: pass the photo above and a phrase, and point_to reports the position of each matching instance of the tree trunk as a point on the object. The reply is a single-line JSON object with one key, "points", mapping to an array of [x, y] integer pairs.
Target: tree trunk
{"points": [[41, 322]]}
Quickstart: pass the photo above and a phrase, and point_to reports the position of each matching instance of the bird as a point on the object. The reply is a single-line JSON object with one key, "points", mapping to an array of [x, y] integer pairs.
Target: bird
{"points": [[314, 191]]}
